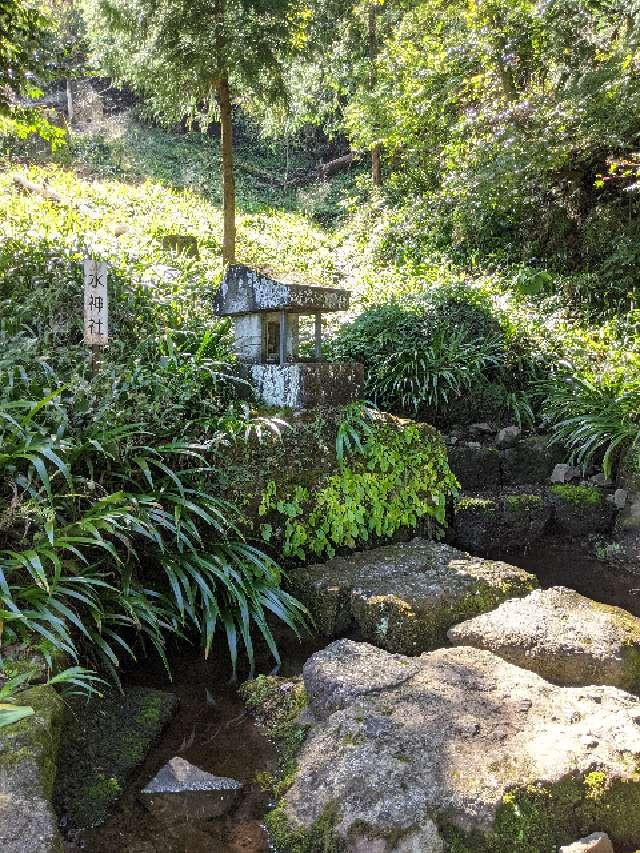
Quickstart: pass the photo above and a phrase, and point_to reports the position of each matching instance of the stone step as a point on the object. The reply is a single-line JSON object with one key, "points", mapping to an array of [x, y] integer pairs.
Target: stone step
{"points": [[458, 749], [561, 635], [404, 597]]}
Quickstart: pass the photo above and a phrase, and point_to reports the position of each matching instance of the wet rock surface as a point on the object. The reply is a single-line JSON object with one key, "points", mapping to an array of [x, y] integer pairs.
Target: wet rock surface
{"points": [[105, 740], [180, 791], [28, 752], [561, 635], [460, 744], [405, 597]]}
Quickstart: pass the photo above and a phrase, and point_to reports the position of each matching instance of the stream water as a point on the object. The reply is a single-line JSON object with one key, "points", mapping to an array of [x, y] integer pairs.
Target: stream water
{"points": [[212, 730]]}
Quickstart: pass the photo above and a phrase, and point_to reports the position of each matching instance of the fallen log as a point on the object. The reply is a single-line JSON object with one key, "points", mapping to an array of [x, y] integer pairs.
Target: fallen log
{"points": [[326, 170], [322, 172], [25, 184], [261, 174]]}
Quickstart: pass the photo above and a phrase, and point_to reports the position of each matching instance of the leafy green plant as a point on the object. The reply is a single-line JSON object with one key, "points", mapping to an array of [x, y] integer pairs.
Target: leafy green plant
{"points": [[75, 678], [91, 508], [427, 374], [389, 477], [596, 416], [438, 356]]}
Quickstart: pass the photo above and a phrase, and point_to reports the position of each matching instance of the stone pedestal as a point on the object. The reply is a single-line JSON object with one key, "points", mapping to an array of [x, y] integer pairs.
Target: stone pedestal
{"points": [[302, 385]]}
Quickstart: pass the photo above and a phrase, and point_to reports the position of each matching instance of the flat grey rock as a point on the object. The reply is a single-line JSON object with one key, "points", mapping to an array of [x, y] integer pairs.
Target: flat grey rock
{"points": [[563, 636], [508, 436], [28, 825], [565, 474], [467, 741], [180, 792], [405, 597]]}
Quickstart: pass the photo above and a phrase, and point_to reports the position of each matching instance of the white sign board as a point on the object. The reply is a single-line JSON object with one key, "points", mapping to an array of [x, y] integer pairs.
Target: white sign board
{"points": [[96, 304]]}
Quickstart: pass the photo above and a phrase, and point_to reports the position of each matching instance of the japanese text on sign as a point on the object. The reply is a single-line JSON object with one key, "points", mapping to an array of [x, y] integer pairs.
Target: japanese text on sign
{"points": [[96, 305]]}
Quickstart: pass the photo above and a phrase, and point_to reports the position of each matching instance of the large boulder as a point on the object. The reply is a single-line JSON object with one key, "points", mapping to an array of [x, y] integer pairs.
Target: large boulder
{"points": [[598, 842], [404, 597], [457, 749], [561, 635], [28, 751]]}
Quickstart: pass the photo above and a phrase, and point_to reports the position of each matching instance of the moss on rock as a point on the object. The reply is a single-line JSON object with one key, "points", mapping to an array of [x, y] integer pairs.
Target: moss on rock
{"points": [[28, 752], [29, 748], [105, 740], [319, 838], [404, 597], [484, 523], [539, 819], [277, 704], [580, 509]]}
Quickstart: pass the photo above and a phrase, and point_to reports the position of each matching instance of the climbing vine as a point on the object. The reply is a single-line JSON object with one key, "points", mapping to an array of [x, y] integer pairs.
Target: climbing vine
{"points": [[389, 476]]}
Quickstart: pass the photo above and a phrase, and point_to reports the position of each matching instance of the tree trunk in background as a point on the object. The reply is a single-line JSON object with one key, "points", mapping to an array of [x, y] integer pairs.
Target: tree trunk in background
{"points": [[228, 177], [505, 73], [69, 102], [376, 151]]}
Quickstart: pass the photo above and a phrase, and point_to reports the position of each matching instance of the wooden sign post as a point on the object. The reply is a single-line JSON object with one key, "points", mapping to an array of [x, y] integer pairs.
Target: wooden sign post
{"points": [[96, 309]]}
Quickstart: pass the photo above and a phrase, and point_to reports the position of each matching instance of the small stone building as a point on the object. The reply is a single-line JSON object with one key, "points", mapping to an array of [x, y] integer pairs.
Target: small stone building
{"points": [[266, 316]]}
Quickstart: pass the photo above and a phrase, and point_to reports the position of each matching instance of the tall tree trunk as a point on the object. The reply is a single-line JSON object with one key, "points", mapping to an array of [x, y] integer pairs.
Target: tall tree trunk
{"points": [[376, 151], [69, 102], [505, 73], [228, 177]]}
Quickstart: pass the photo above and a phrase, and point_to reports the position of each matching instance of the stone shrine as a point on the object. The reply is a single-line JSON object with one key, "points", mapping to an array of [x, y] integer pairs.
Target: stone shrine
{"points": [[266, 317]]}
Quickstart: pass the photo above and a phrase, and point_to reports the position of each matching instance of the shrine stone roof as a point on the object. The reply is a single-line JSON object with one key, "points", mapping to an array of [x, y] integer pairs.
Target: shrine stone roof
{"points": [[245, 291]]}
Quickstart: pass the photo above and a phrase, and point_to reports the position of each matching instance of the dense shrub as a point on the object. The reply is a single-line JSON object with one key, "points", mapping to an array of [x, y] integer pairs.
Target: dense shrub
{"points": [[388, 476], [451, 356], [597, 417], [111, 533]]}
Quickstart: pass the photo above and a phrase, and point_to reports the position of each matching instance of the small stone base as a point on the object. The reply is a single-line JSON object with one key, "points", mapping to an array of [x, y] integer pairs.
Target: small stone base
{"points": [[302, 386]]}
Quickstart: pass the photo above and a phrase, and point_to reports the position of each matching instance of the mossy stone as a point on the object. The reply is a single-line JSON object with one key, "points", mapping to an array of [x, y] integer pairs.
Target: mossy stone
{"points": [[29, 748], [580, 510], [105, 740], [28, 753], [484, 523], [477, 469]]}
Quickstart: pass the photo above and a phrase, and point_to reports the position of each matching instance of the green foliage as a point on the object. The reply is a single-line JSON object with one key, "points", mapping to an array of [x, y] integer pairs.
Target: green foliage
{"points": [[427, 357], [25, 30], [389, 477], [176, 53], [22, 25], [597, 415], [93, 505], [497, 123], [110, 531], [73, 678]]}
